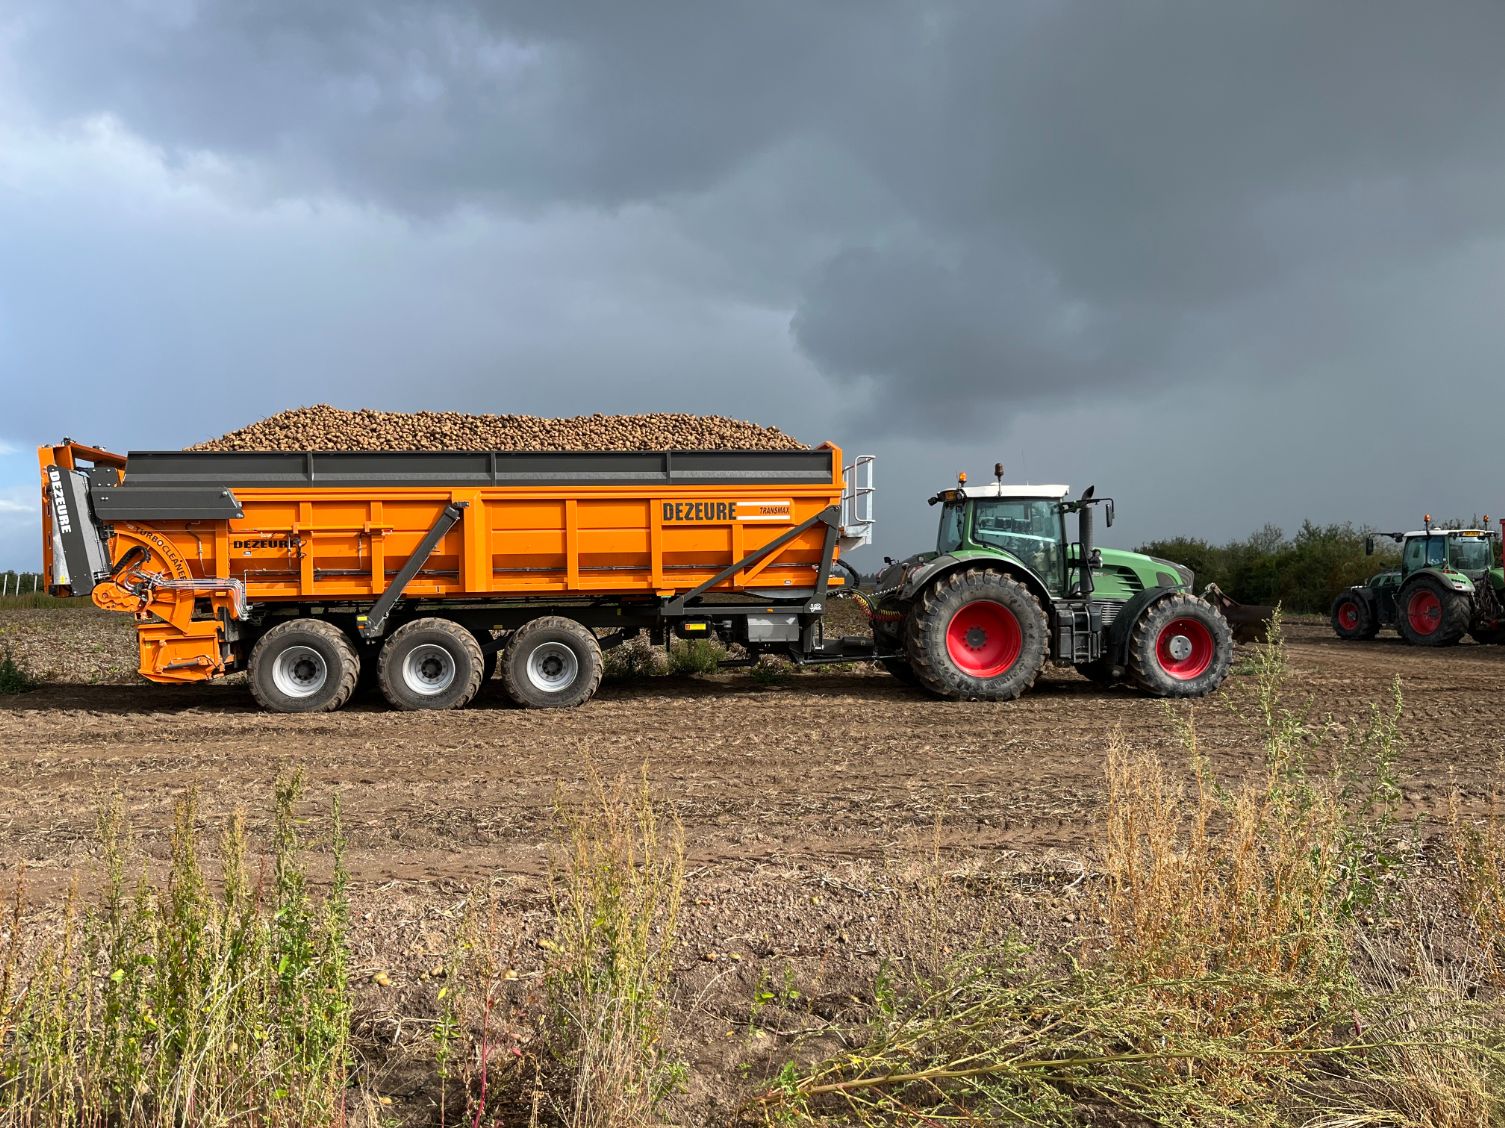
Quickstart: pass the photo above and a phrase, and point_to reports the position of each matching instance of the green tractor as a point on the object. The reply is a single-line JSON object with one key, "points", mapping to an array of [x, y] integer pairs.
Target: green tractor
{"points": [[1005, 591], [1449, 584]]}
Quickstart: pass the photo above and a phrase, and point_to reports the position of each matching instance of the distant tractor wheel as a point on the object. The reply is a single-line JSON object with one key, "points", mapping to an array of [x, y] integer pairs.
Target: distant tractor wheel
{"points": [[1488, 636], [977, 634], [1181, 647], [430, 664], [552, 663], [303, 666], [1431, 614], [1352, 618], [888, 636]]}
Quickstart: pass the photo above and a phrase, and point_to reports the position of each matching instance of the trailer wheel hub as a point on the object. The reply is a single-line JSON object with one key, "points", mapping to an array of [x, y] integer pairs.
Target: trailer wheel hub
{"points": [[299, 671], [428, 669], [552, 667]]}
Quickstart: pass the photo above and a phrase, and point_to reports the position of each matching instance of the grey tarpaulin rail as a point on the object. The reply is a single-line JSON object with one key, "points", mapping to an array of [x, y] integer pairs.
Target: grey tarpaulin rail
{"points": [[270, 470]]}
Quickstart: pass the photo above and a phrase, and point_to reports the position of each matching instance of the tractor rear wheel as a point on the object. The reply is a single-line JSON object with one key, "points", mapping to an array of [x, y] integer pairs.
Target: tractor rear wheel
{"points": [[430, 664], [1352, 618], [551, 663], [977, 634], [303, 666], [1180, 647], [1431, 614], [1488, 636], [901, 669]]}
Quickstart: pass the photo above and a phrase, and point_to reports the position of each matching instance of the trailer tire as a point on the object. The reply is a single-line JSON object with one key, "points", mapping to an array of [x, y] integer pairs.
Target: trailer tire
{"points": [[1180, 647], [551, 663], [977, 635], [303, 666], [430, 664]]}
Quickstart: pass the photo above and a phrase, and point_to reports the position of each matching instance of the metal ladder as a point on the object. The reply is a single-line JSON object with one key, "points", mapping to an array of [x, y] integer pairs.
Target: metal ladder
{"points": [[857, 503]]}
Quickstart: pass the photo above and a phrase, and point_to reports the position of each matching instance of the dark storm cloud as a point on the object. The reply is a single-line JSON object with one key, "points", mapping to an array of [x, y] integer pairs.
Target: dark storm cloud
{"points": [[932, 229], [1056, 198]]}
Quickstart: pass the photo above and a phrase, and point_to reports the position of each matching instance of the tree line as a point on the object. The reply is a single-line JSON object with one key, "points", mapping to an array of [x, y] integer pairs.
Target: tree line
{"points": [[1302, 573]]}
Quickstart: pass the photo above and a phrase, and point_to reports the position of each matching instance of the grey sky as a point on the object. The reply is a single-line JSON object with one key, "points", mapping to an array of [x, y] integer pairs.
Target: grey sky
{"points": [[1236, 263]]}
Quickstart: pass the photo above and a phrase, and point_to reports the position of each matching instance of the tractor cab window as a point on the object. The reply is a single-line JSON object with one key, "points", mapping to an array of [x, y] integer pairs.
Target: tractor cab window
{"points": [[1028, 528], [953, 520], [1472, 554], [1425, 552]]}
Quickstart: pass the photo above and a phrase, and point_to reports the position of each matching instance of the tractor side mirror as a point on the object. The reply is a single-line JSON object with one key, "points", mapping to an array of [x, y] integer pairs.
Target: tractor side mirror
{"points": [[1110, 513], [1369, 545]]}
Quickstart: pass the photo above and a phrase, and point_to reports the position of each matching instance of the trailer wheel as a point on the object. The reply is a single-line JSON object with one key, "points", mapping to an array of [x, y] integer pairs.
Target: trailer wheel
{"points": [[977, 634], [303, 666], [1430, 614], [1352, 618], [430, 664], [551, 663], [1180, 647]]}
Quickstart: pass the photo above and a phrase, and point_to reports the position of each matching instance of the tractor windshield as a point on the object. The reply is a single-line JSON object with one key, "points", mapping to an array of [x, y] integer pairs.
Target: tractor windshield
{"points": [[953, 524], [1471, 554], [1028, 528]]}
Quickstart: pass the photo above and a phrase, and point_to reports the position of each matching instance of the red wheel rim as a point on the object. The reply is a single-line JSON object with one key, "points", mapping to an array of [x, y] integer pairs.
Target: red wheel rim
{"points": [[1348, 616], [1185, 648], [1424, 610], [984, 639]]}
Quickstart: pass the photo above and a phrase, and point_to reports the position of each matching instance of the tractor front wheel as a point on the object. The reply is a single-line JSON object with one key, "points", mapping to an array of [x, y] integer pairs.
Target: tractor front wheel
{"points": [[1180, 647], [977, 635], [1352, 618], [1432, 614]]}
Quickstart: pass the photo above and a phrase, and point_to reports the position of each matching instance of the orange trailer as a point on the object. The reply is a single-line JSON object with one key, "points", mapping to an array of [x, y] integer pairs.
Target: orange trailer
{"points": [[425, 569]]}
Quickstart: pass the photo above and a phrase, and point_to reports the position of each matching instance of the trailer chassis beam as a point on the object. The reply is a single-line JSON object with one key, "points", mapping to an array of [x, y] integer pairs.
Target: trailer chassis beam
{"points": [[374, 623], [830, 517]]}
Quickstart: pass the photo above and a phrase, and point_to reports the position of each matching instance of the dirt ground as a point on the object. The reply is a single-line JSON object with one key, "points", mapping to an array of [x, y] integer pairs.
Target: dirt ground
{"points": [[797, 799]]}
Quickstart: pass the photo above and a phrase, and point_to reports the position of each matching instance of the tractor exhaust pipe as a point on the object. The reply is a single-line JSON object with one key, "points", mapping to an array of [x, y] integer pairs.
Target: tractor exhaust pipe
{"points": [[1084, 538]]}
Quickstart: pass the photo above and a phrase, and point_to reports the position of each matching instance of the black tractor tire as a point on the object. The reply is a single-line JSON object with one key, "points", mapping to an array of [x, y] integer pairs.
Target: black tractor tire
{"points": [[1353, 618], [1180, 647], [1099, 673], [1488, 636], [1429, 613], [552, 663], [888, 636], [303, 666], [430, 664], [977, 635]]}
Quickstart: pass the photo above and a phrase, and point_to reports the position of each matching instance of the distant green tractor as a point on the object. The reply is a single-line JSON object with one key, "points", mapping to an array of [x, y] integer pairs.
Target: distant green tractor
{"points": [[1449, 584]]}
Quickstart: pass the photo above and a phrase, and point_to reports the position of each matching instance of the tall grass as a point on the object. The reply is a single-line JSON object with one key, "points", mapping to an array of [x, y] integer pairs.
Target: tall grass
{"points": [[183, 1000], [615, 890], [13, 676], [1227, 982], [1478, 848]]}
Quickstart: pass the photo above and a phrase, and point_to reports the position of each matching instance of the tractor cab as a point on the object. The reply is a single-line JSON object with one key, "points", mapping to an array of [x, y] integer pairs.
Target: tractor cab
{"points": [[1468, 551], [1027, 523]]}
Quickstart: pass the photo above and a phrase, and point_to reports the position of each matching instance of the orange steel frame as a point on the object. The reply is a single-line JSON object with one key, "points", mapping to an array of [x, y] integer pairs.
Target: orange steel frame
{"points": [[317, 546]]}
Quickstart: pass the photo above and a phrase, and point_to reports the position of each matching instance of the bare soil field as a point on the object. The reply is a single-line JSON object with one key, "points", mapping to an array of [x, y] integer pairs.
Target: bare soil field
{"points": [[800, 800]]}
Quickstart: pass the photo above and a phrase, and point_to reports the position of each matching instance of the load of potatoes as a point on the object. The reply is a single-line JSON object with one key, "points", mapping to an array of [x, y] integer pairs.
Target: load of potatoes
{"points": [[322, 427]]}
